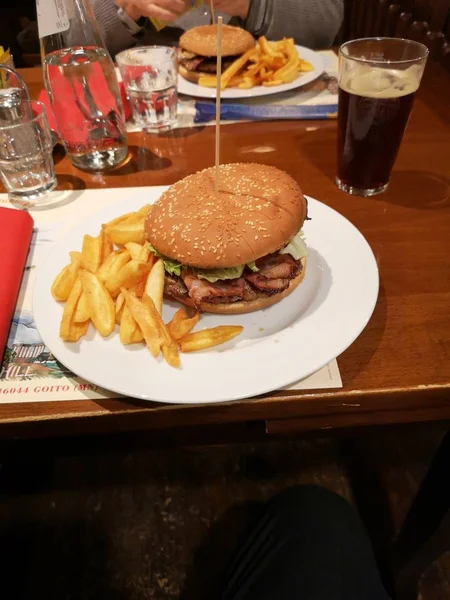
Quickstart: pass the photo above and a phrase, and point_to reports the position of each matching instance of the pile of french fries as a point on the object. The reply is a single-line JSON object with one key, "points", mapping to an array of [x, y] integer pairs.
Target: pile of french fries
{"points": [[116, 280], [268, 64]]}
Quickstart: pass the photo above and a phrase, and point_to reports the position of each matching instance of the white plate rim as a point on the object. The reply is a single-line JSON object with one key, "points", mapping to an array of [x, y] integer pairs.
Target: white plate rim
{"points": [[283, 371], [192, 89]]}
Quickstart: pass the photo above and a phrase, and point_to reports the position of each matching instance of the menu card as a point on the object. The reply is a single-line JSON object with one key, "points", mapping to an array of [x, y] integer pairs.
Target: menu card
{"points": [[29, 372]]}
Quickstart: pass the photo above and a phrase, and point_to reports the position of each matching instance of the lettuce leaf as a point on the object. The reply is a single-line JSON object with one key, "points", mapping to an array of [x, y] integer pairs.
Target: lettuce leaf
{"points": [[213, 275], [172, 267], [296, 247], [252, 266]]}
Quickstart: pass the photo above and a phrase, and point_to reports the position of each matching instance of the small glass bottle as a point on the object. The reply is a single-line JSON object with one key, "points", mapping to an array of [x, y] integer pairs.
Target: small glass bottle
{"points": [[81, 82]]}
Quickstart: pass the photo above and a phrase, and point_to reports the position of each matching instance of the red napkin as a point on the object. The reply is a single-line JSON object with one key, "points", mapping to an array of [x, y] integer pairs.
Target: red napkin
{"points": [[16, 229], [71, 112]]}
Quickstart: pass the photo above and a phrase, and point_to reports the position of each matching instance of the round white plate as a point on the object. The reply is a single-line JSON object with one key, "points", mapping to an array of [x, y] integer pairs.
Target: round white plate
{"points": [[192, 89], [279, 345]]}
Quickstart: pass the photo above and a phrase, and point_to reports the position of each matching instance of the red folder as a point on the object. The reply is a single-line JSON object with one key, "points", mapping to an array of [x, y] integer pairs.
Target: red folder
{"points": [[16, 229]]}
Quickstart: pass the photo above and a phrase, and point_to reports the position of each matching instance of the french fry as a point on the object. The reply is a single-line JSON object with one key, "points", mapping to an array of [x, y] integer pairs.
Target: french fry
{"points": [[69, 310], [157, 320], [143, 317], [113, 263], [106, 245], [209, 81], [65, 280], [171, 354], [234, 68], [168, 346], [181, 324], [141, 212], [207, 338], [82, 313], [134, 249], [118, 220], [76, 331], [292, 62], [61, 287], [101, 306], [75, 256], [120, 304], [265, 46], [273, 83], [144, 253], [129, 329], [154, 287], [128, 276], [130, 230], [145, 256], [304, 65], [91, 253], [236, 80], [247, 83]]}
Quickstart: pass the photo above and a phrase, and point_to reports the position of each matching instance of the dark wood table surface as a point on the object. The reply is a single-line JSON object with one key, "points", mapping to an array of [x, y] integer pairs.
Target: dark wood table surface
{"points": [[398, 370]]}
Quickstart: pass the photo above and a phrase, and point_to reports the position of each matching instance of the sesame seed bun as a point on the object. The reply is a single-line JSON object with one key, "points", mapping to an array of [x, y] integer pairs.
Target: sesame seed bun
{"points": [[202, 40], [246, 306], [257, 210]]}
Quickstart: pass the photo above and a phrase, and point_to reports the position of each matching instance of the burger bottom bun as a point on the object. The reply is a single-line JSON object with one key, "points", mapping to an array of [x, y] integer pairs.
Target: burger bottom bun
{"points": [[192, 76], [238, 308]]}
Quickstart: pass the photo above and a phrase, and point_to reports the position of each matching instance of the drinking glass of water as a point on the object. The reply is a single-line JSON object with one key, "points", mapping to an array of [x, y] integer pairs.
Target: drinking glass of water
{"points": [[149, 75], [26, 162], [378, 79]]}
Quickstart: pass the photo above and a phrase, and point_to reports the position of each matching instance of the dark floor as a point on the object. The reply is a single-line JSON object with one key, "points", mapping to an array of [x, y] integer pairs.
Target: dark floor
{"points": [[87, 520]]}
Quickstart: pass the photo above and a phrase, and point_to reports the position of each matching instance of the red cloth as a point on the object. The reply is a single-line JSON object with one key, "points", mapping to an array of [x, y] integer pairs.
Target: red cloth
{"points": [[16, 229], [43, 97]]}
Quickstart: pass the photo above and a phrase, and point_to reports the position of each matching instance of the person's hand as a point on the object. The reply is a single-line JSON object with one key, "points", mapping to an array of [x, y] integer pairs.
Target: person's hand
{"points": [[234, 8], [166, 10]]}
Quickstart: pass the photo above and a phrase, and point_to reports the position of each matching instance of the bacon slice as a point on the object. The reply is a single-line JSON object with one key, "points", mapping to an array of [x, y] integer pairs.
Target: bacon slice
{"points": [[201, 290], [277, 266], [275, 272], [272, 286]]}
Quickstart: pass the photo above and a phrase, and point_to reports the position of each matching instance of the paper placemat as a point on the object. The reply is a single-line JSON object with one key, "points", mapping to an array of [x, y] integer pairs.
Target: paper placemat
{"points": [[29, 372], [321, 91]]}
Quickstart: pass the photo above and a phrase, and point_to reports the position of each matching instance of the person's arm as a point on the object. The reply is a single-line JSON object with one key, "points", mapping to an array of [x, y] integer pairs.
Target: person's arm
{"points": [[312, 23], [116, 35], [121, 30]]}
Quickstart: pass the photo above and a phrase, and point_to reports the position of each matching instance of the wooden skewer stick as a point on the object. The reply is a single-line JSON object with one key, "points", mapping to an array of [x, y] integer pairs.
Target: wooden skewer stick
{"points": [[213, 12], [219, 74]]}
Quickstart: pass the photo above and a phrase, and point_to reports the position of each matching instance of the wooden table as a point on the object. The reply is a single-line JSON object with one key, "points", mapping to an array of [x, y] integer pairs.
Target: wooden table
{"points": [[398, 370]]}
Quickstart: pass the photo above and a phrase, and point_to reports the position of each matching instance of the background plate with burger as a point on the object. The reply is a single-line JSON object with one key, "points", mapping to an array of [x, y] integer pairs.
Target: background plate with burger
{"points": [[243, 57]]}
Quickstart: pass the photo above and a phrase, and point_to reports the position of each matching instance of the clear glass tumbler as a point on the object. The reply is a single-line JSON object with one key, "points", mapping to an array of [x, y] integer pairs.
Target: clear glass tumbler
{"points": [[149, 74], [26, 162], [378, 79]]}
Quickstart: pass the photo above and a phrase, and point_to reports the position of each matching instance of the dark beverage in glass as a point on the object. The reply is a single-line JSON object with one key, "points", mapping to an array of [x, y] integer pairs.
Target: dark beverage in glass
{"points": [[376, 95]]}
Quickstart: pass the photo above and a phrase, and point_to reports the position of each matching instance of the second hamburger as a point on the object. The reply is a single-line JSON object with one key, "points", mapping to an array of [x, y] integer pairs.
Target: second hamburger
{"points": [[234, 251], [198, 49]]}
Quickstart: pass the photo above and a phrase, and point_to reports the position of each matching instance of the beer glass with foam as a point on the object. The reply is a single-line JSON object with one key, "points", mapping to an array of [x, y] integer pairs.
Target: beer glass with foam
{"points": [[378, 79]]}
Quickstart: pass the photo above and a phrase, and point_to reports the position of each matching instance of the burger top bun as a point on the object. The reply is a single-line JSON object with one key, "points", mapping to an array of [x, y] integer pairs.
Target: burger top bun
{"points": [[203, 40], [257, 210]]}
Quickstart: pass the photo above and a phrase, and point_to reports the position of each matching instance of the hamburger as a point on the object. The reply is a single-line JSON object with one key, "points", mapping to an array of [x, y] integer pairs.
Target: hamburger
{"points": [[235, 251], [197, 53]]}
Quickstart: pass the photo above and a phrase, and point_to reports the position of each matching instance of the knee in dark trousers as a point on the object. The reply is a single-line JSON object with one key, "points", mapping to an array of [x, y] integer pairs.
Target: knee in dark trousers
{"points": [[309, 543]]}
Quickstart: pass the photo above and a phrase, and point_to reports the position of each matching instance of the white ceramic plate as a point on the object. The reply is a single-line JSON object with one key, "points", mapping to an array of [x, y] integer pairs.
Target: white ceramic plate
{"points": [[192, 89], [279, 345]]}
